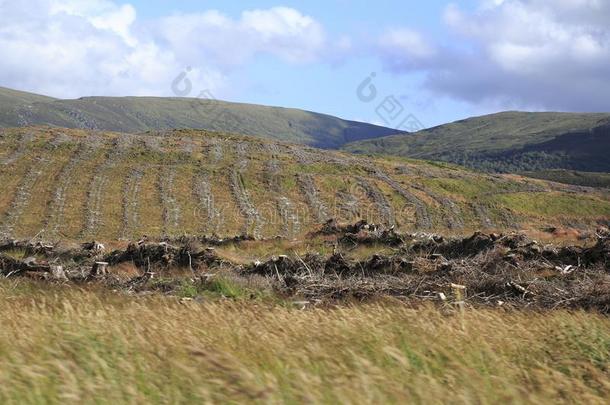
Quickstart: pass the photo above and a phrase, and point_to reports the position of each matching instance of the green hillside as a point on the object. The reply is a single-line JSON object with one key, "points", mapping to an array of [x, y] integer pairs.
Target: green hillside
{"points": [[64, 183], [588, 179], [138, 114], [507, 142], [13, 101]]}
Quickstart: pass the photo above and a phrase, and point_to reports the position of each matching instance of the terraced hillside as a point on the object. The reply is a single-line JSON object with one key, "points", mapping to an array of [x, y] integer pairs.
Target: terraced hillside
{"points": [[507, 142], [77, 184], [136, 114]]}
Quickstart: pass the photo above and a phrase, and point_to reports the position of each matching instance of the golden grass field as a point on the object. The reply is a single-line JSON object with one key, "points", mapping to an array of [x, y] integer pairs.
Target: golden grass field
{"points": [[71, 345]]}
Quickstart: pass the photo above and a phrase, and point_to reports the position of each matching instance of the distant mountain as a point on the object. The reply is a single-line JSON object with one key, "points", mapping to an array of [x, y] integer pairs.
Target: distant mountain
{"points": [[140, 114], [507, 142]]}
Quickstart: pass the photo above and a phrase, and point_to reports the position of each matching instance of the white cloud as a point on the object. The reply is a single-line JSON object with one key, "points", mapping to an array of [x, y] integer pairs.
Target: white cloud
{"points": [[547, 54], [405, 48], [70, 48], [279, 31], [285, 32], [101, 14]]}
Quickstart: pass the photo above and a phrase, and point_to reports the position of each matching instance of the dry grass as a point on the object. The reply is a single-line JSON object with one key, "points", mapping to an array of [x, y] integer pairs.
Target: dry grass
{"points": [[60, 345]]}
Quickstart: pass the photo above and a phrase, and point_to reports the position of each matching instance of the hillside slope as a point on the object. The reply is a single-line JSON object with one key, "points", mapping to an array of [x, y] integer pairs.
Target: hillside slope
{"points": [[588, 179], [64, 183], [12, 101], [508, 142], [138, 114]]}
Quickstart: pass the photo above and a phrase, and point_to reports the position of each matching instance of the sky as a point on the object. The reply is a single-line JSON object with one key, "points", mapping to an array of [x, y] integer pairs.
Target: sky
{"points": [[400, 63]]}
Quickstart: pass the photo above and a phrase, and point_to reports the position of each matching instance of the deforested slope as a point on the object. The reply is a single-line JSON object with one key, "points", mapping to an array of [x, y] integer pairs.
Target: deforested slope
{"points": [[66, 183]]}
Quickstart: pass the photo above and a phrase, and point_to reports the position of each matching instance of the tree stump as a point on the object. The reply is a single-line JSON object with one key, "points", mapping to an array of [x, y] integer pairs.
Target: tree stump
{"points": [[58, 273], [100, 269]]}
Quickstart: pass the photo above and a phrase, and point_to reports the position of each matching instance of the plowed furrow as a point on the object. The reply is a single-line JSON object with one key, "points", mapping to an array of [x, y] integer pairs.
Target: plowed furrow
{"points": [[56, 210], [131, 191], [422, 219], [171, 209], [254, 221], [288, 214], [241, 150], [452, 214], [301, 156], [23, 194], [217, 151], [312, 196], [20, 150], [348, 205], [206, 210], [483, 214], [100, 181], [380, 201]]}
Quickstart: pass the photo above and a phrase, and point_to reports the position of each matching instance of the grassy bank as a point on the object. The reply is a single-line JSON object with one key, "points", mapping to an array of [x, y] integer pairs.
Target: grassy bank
{"points": [[70, 345]]}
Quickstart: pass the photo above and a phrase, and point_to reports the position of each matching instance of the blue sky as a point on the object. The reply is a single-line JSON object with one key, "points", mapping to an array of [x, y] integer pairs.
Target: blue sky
{"points": [[437, 60], [331, 88]]}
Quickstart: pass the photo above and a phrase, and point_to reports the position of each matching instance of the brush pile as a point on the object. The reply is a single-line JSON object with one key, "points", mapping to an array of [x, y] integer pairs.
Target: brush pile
{"points": [[494, 269], [499, 270], [361, 233]]}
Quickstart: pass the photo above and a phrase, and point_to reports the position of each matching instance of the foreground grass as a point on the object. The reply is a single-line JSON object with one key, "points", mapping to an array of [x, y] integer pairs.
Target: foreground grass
{"points": [[60, 345]]}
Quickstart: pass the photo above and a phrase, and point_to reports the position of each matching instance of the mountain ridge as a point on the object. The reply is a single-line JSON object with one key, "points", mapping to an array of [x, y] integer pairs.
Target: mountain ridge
{"points": [[507, 142], [140, 114]]}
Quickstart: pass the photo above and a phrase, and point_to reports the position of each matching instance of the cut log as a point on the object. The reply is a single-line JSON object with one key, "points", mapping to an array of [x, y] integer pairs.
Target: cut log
{"points": [[100, 269]]}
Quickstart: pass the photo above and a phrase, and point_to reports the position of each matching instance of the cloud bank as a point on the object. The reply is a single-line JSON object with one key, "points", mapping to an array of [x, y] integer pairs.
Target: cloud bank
{"points": [[536, 54], [525, 54], [68, 48]]}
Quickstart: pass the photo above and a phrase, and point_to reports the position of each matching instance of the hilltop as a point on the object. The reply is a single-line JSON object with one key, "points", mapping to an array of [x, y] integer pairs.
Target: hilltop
{"points": [[138, 114], [67, 183], [510, 142]]}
